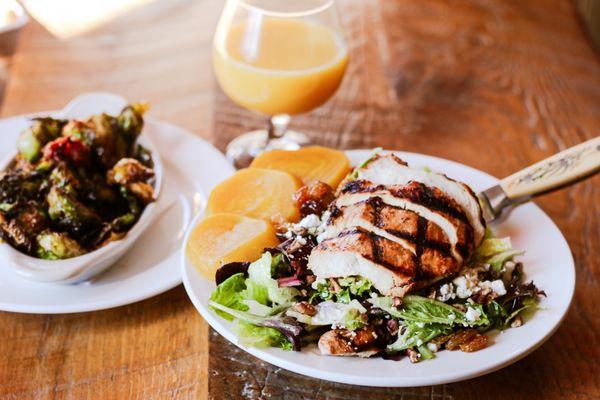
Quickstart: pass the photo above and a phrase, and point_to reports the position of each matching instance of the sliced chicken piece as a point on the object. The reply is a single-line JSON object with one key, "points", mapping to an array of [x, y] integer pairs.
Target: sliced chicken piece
{"points": [[392, 223], [446, 222], [392, 268], [390, 170]]}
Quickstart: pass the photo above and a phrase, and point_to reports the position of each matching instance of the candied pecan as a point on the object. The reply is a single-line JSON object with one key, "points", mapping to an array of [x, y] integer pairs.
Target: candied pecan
{"points": [[304, 308], [413, 355], [314, 198], [396, 301], [483, 296]]}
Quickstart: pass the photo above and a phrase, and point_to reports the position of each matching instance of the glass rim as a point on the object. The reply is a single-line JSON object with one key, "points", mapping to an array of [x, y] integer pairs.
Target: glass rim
{"points": [[287, 14]]}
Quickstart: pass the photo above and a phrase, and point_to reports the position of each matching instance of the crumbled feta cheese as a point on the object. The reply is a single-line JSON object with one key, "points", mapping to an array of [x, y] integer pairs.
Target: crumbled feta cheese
{"points": [[451, 317], [433, 347], [462, 287], [496, 286], [301, 240], [310, 221], [472, 314], [419, 342], [446, 292]]}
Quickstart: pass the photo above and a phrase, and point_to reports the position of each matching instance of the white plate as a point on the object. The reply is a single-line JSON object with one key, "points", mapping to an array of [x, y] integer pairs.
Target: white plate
{"points": [[548, 262], [191, 169]]}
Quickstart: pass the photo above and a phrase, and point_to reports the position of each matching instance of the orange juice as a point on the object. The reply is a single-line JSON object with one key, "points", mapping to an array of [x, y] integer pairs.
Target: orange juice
{"points": [[280, 66]]}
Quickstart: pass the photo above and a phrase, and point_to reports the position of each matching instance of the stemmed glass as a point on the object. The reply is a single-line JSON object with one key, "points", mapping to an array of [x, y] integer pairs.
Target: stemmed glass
{"points": [[278, 58]]}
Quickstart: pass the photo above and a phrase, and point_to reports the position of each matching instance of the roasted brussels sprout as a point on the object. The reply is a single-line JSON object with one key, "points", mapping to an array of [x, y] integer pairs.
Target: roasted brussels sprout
{"points": [[33, 139], [75, 185], [18, 186], [108, 143], [69, 213], [57, 246], [128, 170], [131, 122], [15, 234], [62, 177], [33, 218]]}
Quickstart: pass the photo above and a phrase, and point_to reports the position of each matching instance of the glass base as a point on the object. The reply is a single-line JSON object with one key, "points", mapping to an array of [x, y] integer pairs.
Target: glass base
{"points": [[244, 148]]}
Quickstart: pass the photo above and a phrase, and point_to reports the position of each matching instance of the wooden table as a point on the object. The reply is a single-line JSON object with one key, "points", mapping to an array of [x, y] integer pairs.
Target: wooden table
{"points": [[495, 84]]}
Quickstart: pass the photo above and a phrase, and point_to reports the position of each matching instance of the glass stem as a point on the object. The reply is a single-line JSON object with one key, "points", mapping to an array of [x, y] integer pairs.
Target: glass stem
{"points": [[278, 125]]}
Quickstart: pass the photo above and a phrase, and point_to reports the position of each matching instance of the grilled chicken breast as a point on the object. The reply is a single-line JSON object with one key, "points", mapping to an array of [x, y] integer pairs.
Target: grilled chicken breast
{"points": [[398, 227]]}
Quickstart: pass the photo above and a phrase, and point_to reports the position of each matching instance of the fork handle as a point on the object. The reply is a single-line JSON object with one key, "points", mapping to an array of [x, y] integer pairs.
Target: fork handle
{"points": [[554, 172]]}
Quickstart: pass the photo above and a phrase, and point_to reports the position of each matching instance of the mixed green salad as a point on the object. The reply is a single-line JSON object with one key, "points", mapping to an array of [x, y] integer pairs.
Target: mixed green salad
{"points": [[276, 301]]}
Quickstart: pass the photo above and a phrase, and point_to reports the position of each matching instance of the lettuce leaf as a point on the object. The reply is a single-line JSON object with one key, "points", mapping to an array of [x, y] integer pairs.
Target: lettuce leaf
{"points": [[260, 336], [423, 310], [262, 287], [495, 252], [229, 294], [288, 327], [414, 335]]}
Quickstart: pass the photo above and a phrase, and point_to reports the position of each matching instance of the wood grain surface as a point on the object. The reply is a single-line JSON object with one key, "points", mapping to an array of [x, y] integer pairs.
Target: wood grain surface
{"points": [[495, 84]]}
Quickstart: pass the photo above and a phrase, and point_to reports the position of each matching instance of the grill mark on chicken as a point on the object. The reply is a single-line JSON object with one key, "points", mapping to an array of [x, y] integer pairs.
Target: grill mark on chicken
{"points": [[420, 242]]}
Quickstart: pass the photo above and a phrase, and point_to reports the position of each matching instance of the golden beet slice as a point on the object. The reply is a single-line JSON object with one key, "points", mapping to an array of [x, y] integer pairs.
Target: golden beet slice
{"points": [[223, 238], [257, 193], [314, 163]]}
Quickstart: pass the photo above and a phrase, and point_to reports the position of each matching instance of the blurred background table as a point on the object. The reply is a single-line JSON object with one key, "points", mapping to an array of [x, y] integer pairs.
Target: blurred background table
{"points": [[494, 84]]}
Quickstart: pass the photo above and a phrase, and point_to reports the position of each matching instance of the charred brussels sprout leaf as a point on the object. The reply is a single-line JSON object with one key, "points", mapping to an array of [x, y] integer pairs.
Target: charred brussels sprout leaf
{"points": [[57, 246]]}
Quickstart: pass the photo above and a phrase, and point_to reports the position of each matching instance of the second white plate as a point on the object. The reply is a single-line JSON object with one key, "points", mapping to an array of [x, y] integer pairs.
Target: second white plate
{"points": [[547, 261], [192, 167]]}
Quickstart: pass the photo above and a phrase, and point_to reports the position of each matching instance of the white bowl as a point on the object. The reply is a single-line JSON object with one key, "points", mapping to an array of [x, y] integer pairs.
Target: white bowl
{"points": [[84, 267]]}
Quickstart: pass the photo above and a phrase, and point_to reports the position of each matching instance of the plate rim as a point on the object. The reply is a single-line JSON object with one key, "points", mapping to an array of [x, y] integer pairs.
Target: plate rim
{"points": [[314, 372]]}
